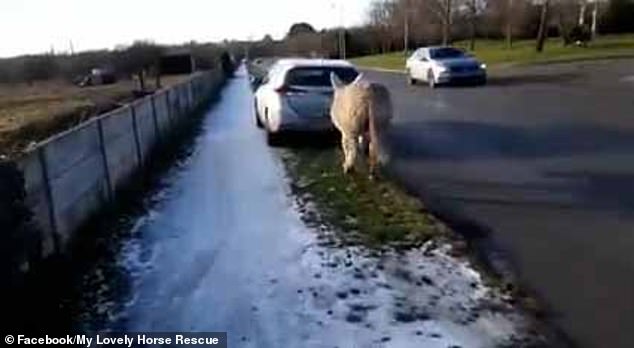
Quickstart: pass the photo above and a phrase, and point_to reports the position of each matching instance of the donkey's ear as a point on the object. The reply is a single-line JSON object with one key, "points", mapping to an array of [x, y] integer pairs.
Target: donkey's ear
{"points": [[358, 79], [336, 82]]}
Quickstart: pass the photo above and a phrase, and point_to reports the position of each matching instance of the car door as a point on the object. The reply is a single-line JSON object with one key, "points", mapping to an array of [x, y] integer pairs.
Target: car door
{"points": [[263, 92], [412, 63], [424, 64], [420, 64]]}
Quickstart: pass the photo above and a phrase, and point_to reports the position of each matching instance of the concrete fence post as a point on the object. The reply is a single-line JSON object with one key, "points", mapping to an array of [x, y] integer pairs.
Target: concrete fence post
{"points": [[170, 119], [193, 92], [137, 140], [104, 159], [157, 129], [177, 106], [188, 95], [50, 203]]}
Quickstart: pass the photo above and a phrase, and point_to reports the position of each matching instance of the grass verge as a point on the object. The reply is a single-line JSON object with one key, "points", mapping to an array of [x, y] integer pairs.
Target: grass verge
{"points": [[375, 213], [495, 52], [381, 215]]}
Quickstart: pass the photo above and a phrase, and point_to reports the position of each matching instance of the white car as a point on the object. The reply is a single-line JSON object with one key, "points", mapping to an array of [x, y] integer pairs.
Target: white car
{"points": [[296, 95], [443, 64]]}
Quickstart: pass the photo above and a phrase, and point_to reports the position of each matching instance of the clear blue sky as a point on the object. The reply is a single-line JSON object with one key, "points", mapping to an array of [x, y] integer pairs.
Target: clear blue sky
{"points": [[36, 26]]}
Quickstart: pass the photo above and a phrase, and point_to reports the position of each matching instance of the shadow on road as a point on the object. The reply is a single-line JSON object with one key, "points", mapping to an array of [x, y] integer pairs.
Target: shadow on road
{"points": [[465, 140], [473, 142], [532, 79], [317, 140], [607, 190]]}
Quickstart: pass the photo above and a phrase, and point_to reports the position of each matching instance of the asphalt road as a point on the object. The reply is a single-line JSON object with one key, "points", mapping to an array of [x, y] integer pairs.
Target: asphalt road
{"points": [[540, 162]]}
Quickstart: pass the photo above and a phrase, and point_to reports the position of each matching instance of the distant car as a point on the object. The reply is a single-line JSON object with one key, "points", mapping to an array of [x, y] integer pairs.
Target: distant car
{"points": [[296, 95], [439, 65]]}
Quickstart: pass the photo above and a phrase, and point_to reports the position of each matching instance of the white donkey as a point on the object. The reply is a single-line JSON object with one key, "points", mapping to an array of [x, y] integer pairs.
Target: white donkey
{"points": [[362, 112]]}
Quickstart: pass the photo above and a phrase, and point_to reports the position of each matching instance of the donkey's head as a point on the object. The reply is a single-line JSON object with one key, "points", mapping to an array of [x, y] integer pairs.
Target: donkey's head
{"points": [[337, 84]]}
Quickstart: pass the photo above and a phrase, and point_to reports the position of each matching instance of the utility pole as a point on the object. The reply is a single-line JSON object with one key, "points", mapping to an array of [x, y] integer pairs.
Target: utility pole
{"points": [[342, 33], [406, 11], [406, 32], [342, 43]]}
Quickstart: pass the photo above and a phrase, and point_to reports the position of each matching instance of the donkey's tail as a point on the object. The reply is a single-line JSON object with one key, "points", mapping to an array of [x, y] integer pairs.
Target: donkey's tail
{"points": [[379, 115]]}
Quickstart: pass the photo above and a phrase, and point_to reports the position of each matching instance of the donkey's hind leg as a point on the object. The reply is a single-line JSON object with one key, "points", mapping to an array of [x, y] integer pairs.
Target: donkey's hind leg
{"points": [[373, 157], [349, 147]]}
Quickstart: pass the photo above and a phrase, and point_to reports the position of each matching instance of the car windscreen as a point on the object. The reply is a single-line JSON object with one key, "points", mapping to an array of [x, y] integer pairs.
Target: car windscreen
{"points": [[319, 76], [445, 53]]}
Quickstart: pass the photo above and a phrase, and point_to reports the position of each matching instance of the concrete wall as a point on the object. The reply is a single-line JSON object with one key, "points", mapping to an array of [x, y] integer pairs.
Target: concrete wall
{"points": [[71, 176]]}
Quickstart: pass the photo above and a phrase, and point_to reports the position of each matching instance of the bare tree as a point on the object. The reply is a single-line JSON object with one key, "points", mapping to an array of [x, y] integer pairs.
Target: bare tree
{"points": [[381, 15], [446, 22], [583, 4], [593, 26], [406, 13], [473, 19], [509, 24], [443, 10], [543, 22]]}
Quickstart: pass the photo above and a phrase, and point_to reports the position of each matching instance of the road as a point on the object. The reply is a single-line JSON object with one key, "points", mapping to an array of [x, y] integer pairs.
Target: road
{"points": [[221, 246], [540, 163]]}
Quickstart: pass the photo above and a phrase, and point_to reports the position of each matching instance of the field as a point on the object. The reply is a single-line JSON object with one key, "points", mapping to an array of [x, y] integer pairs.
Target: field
{"points": [[30, 113], [495, 53]]}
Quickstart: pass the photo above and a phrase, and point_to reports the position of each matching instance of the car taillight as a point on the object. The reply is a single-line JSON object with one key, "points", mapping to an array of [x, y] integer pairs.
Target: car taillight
{"points": [[282, 89], [289, 90]]}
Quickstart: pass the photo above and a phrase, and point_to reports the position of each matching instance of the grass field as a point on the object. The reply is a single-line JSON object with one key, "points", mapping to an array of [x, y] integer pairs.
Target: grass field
{"points": [[29, 113], [495, 53]]}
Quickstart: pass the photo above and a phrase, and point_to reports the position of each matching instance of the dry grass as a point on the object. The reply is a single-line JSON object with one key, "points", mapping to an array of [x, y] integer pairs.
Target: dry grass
{"points": [[30, 113]]}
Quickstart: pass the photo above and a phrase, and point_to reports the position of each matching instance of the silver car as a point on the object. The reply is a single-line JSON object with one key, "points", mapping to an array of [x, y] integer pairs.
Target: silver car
{"points": [[443, 64], [296, 95]]}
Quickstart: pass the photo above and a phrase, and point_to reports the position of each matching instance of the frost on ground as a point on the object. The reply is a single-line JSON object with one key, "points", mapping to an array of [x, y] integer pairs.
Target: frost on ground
{"points": [[418, 296], [422, 297]]}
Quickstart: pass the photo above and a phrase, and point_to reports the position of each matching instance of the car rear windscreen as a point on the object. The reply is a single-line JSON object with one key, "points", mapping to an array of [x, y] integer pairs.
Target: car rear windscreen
{"points": [[445, 53], [319, 76]]}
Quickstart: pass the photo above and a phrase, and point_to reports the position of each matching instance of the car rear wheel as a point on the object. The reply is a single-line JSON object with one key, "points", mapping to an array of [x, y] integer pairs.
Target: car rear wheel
{"points": [[274, 139], [430, 79], [410, 80], [258, 121]]}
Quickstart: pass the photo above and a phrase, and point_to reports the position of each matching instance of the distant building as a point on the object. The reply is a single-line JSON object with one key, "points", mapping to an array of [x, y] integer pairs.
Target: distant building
{"points": [[177, 61], [97, 77]]}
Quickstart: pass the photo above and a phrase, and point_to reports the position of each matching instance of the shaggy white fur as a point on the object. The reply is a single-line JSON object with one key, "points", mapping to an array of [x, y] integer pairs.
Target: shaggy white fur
{"points": [[362, 111]]}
